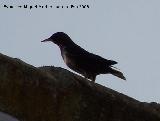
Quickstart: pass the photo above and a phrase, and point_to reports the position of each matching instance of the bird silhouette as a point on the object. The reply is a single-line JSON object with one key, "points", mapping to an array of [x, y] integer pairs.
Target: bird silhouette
{"points": [[78, 59]]}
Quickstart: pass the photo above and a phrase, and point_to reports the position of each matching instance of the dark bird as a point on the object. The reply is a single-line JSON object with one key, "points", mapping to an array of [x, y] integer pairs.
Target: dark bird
{"points": [[82, 61]]}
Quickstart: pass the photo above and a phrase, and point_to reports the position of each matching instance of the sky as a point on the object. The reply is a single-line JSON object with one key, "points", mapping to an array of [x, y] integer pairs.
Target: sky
{"points": [[127, 31]]}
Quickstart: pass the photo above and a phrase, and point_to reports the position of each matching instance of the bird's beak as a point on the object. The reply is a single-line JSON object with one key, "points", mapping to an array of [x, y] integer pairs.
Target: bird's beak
{"points": [[46, 40]]}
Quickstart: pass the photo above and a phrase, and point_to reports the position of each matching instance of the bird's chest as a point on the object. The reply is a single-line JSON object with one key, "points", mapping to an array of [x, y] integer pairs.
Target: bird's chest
{"points": [[67, 59], [71, 61]]}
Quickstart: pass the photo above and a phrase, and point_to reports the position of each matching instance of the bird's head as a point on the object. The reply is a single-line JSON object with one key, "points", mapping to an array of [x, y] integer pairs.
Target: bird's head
{"points": [[59, 38]]}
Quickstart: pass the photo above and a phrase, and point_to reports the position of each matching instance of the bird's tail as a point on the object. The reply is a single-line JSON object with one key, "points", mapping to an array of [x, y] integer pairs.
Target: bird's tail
{"points": [[117, 73]]}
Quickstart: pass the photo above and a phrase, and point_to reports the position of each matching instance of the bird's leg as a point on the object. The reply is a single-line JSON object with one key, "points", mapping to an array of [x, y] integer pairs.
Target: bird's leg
{"points": [[93, 78], [85, 77]]}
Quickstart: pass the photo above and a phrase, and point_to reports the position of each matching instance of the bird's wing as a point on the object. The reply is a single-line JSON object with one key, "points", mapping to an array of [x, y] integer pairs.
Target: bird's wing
{"points": [[83, 56]]}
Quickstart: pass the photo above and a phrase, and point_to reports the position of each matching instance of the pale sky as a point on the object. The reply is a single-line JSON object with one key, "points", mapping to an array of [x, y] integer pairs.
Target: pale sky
{"points": [[127, 31]]}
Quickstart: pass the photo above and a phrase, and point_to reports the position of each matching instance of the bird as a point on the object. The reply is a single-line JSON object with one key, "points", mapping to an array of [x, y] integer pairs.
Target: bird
{"points": [[81, 61]]}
